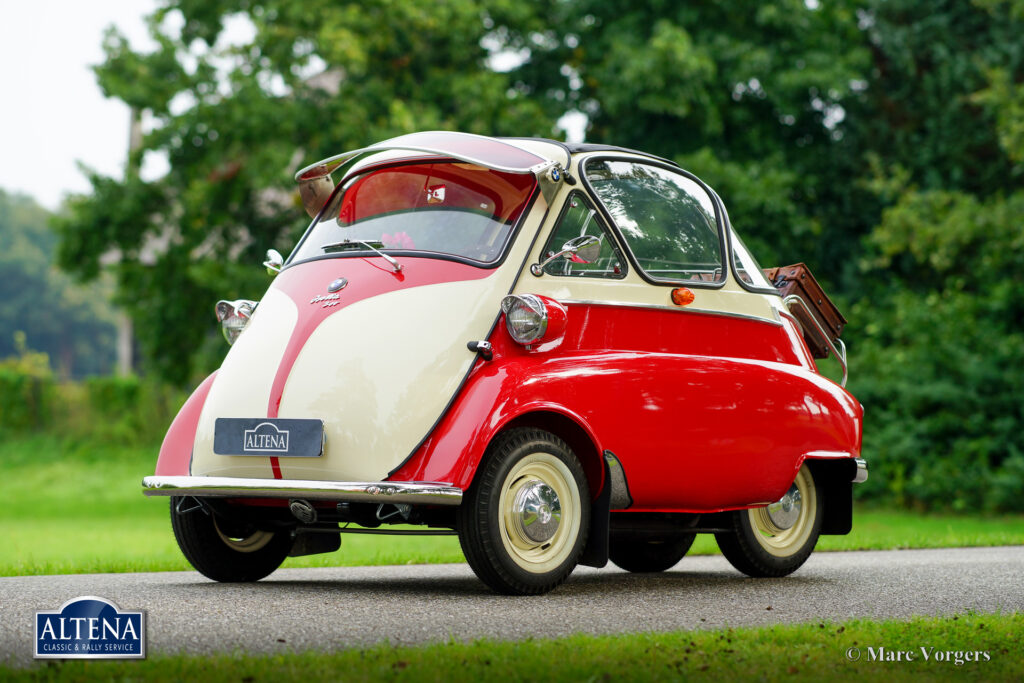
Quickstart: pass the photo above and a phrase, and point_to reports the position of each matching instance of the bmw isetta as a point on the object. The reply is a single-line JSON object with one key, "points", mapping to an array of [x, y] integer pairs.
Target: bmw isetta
{"points": [[562, 353]]}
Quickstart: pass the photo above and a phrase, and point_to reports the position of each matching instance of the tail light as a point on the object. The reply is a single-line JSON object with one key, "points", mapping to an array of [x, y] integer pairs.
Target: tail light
{"points": [[533, 319]]}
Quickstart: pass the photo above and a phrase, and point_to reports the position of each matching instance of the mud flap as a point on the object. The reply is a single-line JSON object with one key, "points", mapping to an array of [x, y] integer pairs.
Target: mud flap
{"points": [[834, 479], [595, 553], [314, 544]]}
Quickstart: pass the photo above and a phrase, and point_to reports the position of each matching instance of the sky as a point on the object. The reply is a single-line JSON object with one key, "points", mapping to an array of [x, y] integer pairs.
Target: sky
{"points": [[53, 113]]}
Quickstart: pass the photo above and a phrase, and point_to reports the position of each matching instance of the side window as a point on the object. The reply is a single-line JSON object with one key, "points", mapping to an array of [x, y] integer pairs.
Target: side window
{"points": [[667, 219], [747, 270], [579, 218]]}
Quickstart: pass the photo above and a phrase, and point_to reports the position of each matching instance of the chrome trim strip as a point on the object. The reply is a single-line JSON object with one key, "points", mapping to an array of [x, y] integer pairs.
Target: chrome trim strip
{"points": [[675, 309], [427, 493], [862, 471], [821, 455]]}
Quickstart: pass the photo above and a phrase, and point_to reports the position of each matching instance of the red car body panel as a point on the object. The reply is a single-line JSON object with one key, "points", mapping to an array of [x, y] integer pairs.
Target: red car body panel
{"points": [[176, 449], [728, 387]]}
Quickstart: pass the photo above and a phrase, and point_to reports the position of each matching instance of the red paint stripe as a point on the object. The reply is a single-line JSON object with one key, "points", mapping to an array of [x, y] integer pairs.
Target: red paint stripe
{"points": [[275, 465]]}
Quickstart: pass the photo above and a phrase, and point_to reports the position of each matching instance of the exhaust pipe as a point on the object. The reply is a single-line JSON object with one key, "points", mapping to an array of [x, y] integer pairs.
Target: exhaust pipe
{"points": [[302, 510]]}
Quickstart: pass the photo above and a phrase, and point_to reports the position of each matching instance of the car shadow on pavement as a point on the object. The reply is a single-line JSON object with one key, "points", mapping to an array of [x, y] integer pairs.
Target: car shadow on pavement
{"points": [[581, 584]]}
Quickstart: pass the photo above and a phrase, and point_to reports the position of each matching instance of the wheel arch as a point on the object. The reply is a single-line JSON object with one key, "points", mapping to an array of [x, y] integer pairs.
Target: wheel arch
{"points": [[572, 430]]}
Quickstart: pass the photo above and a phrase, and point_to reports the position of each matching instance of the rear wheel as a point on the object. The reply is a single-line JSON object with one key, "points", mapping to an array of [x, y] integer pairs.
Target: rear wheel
{"points": [[225, 550], [649, 555], [776, 539], [523, 523]]}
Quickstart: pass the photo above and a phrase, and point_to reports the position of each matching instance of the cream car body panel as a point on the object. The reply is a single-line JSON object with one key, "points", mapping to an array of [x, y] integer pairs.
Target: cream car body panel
{"points": [[380, 391], [379, 372], [242, 387]]}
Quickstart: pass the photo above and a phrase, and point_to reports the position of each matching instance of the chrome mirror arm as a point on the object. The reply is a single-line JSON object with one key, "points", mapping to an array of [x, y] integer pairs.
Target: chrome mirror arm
{"points": [[538, 268], [570, 248]]}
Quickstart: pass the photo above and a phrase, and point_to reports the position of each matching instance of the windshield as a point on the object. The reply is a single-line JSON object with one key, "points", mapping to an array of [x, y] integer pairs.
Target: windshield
{"points": [[451, 208]]}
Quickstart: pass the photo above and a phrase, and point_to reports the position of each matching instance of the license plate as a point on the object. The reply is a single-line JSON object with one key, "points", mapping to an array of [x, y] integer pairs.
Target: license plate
{"points": [[277, 437]]}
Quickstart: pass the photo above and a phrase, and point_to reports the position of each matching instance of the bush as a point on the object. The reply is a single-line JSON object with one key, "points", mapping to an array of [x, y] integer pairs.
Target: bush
{"points": [[125, 411], [26, 389], [25, 399], [940, 383]]}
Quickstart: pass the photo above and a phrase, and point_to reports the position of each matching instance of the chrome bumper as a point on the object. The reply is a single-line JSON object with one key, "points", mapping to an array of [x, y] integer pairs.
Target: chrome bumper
{"points": [[862, 471], [351, 491]]}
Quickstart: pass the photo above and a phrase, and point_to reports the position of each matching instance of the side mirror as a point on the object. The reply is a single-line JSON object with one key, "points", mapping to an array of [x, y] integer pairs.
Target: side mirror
{"points": [[582, 249], [274, 261], [585, 247], [315, 187]]}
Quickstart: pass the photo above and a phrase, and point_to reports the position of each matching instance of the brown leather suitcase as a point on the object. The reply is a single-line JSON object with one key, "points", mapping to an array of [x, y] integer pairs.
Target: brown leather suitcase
{"points": [[797, 279]]}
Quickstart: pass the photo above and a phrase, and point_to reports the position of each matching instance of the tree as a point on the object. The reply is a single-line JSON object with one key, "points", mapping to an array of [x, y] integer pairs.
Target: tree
{"points": [[236, 121], [881, 142], [877, 140], [748, 95], [73, 324], [942, 319]]}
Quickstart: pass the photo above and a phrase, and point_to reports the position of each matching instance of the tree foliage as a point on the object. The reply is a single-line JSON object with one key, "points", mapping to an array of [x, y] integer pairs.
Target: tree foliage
{"points": [[236, 120], [881, 141], [42, 309]]}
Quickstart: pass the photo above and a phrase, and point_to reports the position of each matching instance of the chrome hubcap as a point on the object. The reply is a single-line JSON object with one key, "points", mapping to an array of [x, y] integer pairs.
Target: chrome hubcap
{"points": [[537, 512], [786, 511]]}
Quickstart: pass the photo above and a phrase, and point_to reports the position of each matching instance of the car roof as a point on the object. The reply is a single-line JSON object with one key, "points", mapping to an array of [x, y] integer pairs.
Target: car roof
{"points": [[516, 155]]}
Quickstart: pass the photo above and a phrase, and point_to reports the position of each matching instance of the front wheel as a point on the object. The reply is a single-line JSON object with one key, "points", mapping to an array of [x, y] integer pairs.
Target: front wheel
{"points": [[776, 539], [523, 523], [224, 550]]}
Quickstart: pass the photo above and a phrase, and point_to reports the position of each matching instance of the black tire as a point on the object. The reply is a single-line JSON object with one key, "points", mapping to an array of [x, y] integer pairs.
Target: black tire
{"points": [[642, 555], [223, 551], [758, 550], [523, 464]]}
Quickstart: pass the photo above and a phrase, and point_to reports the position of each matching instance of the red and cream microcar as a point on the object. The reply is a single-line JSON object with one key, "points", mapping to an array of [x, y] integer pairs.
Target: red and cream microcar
{"points": [[562, 353]]}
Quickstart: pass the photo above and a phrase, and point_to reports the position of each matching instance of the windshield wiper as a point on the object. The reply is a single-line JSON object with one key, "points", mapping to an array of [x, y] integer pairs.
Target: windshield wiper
{"points": [[349, 244]]}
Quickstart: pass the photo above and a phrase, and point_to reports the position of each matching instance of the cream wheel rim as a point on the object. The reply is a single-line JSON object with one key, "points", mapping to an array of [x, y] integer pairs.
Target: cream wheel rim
{"points": [[784, 527], [543, 477], [245, 544]]}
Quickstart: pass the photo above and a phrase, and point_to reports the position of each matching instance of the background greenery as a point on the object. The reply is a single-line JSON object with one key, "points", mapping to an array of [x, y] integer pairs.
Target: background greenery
{"points": [[880, 141], [41, 307], [77, 508]]}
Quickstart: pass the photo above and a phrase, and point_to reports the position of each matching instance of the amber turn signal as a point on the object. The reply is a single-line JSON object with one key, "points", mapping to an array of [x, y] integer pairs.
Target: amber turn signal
{"points": [[681, 296]]}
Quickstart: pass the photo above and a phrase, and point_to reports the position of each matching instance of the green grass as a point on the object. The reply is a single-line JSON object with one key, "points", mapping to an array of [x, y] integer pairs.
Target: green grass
{"points": [[78, 508], [806, 651]]}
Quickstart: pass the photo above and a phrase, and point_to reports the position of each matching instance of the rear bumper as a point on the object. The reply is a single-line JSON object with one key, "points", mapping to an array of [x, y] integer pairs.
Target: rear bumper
{"points": [[423, 493], [862, 471]]}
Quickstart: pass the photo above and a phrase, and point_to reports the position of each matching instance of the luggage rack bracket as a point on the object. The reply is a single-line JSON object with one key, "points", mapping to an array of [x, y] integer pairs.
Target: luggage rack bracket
{"points": [[837, 347]]}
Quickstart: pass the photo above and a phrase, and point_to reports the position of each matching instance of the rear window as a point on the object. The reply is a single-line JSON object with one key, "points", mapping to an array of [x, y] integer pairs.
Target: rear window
{"points": [[449, 208]]}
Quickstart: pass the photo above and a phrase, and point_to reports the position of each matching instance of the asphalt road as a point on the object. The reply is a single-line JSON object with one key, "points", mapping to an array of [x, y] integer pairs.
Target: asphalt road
{"points": [[331, 609]]}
